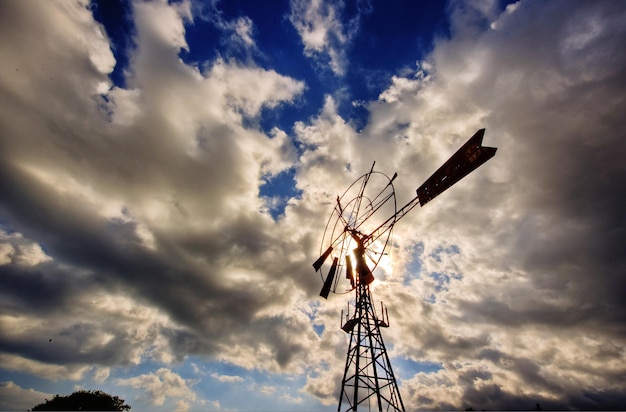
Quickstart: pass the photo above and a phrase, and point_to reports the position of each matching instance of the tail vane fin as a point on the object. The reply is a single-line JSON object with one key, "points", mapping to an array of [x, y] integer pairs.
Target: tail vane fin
{"points": [[467, 159]]}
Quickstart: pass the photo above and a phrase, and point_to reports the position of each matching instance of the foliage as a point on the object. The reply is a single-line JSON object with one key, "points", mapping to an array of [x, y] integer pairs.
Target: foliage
{"points": [[84, 401]]}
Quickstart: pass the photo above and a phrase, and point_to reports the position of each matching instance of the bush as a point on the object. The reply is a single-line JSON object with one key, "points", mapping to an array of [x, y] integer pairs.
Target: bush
{"points": [[84, 401]]}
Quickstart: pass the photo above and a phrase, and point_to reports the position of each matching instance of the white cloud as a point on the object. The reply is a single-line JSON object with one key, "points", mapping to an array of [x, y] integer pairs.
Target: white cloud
{"points": [[161, 385], [101, 374], [249, 89], [161, 24], [13, 397], [182, 405], [175, 175], [227, 378], [238, 34], [323, 32], [292, 399], [522, 242], [243, 29]]}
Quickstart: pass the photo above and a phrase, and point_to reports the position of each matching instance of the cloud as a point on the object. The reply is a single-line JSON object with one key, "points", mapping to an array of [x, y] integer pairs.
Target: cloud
{"points": [[155, 185], [160, 385], [324, 33], [14, 248], [53, 372], [227, 378], [13, 397], [525, 229], [536, 229]]}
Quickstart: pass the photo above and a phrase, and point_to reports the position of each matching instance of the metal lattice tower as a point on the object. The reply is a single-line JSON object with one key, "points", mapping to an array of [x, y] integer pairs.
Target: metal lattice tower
{"points": [[368, 379]]}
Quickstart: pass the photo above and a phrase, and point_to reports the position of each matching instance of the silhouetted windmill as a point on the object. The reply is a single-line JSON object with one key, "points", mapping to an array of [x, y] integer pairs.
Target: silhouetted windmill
{"points": [[359, 230]]}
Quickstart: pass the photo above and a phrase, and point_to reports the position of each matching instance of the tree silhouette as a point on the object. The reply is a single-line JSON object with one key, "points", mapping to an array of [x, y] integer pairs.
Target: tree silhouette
{"points": [[84, 401]]}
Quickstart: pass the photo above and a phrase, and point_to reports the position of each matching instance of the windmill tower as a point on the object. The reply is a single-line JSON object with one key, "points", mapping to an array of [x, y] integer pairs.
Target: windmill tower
{"points": [[368, 377], [359, 230]]}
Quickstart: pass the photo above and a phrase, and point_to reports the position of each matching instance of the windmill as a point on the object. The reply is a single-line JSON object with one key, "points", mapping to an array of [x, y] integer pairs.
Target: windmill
{"points": [[357, 238]]}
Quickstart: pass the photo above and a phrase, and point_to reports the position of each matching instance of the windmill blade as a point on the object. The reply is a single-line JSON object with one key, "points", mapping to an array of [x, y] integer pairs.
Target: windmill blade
{"points": [[320, 261], [349, 271], [467, 159], [329, 279]]}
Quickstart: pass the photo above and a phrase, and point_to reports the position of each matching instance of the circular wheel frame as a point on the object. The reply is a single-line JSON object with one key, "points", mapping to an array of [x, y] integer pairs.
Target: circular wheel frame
{"points": [[368, 205]]}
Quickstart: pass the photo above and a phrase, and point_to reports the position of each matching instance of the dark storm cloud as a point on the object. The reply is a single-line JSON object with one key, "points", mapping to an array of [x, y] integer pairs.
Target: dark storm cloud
{"points": [[450, 346], [539, 313], [40, 290], [113, 254], [527, 369], [565, 159], [492, 397]]}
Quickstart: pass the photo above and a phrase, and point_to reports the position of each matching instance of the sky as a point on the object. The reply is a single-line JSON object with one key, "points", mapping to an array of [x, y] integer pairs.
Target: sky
{"points": [[167, 170]]}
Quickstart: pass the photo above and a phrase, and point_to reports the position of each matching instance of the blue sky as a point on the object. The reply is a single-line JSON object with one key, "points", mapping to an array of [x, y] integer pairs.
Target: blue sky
{"points": [[167, 169]]}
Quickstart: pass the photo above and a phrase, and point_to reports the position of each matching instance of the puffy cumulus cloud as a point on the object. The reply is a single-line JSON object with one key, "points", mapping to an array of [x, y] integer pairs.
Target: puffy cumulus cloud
{"points": [[161, 385], [142, 203], [161, 25], [77, 39], [512, 280], [329, 146], [248, 91], [133, 217], [323, 31], [13, 396]]}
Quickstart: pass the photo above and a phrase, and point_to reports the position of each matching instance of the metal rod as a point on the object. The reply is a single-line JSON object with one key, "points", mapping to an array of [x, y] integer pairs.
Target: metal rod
{"points": [[395, 218]]}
